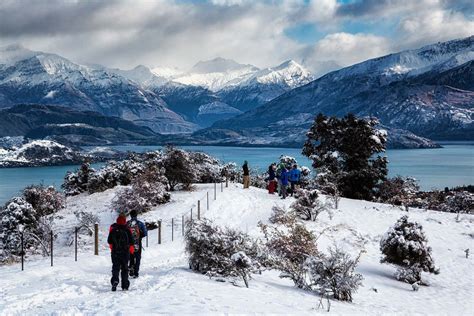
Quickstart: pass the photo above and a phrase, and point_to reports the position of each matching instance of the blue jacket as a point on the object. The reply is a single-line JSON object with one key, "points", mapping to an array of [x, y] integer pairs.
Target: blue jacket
{"points": [[295, 175], [284, 177]]}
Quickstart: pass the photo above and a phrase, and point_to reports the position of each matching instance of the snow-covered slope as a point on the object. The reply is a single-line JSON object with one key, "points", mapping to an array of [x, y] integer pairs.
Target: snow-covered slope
{"points": [[36, 77], [39, 153], [167, 286]]}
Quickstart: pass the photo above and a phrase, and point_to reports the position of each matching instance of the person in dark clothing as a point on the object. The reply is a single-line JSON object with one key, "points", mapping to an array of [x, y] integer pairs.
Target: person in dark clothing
{"points": [[294, 177], [139, 232], [245, 169], [271, 179], [284, 182], [121, 244]]}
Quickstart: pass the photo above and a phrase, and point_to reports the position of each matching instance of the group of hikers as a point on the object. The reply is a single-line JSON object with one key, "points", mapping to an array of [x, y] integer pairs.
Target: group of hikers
{"points": [[125, 242], [280, 177]]}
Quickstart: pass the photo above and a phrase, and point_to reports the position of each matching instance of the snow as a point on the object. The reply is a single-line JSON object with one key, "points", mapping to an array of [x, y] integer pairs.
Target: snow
{"points": [[217, 107], [166, 285]]}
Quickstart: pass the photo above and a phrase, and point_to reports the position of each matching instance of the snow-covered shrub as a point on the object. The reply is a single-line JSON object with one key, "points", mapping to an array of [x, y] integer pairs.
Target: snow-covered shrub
{"points": [[288, 161], [220, 251], [206, 168], [178, 168], [229, 171], [459, 202], [405, 245], [287, 248], [333, 274], [282, 217], [77, 182], [19, 217], [398, 191], [115, 173], [257, 179], [305, 177], [86, 221], [45, 200], [307, 205], [328, 183], [141, 196]]}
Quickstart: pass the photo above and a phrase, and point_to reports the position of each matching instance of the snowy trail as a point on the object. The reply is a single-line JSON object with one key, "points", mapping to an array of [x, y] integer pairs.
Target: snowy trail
{"points": [[166, 285]]}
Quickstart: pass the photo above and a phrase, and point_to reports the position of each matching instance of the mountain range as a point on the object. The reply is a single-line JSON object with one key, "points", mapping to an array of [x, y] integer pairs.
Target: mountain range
{"points": [[416, 94], [427, 91]]}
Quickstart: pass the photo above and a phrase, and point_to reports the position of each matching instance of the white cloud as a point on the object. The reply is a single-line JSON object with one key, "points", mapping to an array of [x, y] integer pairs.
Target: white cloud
{"points": [[433, 26], [346, 49]]}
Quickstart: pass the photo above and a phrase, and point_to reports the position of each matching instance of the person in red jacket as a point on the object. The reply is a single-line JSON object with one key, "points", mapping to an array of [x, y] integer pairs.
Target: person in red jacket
{"points": [[121, 244]]}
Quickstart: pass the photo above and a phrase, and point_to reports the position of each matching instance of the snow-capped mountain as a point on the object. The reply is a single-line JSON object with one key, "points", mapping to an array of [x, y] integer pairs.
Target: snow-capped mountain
{"points": [[35, 77], [237, 86], [427, 91]]}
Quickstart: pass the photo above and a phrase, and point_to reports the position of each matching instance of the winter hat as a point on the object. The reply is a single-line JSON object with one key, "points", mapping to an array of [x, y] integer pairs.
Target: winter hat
{"points": [[121, 220], [133, 213]]}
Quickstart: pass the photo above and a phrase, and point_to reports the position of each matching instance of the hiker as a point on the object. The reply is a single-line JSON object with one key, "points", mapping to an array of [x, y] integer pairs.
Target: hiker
{"points": [[121, 244], [245, 168], [279, 169], [139, 232], [271, 179], [294, 177], [284, 181]]}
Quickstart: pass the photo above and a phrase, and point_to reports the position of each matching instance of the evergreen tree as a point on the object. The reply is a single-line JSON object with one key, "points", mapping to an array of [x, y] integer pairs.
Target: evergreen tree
{"points": [[346, 150]]}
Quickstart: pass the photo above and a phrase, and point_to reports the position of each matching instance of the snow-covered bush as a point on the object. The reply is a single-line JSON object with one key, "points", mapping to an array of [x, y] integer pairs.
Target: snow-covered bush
{"points": [[287, 248], [77, 182], [141, 196], [229, 171], [459, 202], [115, 173], [328, 183], [333, 274], [288, 161], [220, 251], [282, 217], [17, 218], [406, 246], [307, 205], [86, 221], [398, 191], [305, 177], [178, 168], [257, 179], [206, 168], [45, 200]]}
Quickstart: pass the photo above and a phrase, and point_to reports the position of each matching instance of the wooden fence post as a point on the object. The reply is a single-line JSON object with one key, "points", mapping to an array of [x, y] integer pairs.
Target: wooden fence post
{"points": [[159, 232], [199, 209], [22, 252], [226, 182], [215, 191], [96, 243], [222, 186], [182, 225], [51, 236], [172, 229], [207, 195], [147, 240], [75, 244]]}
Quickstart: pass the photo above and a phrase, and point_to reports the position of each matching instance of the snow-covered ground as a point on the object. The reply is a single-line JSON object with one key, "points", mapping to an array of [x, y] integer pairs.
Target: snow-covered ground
{"points": [[166, 285]]}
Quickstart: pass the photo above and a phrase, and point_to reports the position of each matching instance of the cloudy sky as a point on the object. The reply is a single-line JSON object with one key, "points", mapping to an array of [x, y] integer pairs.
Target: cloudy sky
{"points": [[181, 32]]}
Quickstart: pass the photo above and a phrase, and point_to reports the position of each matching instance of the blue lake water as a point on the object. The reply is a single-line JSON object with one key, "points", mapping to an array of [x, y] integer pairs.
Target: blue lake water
{"points": [[450, 166]]}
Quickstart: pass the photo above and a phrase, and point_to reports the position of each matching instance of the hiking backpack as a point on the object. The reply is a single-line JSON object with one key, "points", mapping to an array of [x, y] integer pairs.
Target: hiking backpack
{"points": [[120, 242], [135, 229]]}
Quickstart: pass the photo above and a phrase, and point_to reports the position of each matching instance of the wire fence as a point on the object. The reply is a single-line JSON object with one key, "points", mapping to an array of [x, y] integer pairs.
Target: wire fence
{"points": [[194, 211]]}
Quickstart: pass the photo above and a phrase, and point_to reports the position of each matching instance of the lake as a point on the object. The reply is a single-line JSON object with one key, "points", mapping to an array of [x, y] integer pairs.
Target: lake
{"points": [[449, 166]]}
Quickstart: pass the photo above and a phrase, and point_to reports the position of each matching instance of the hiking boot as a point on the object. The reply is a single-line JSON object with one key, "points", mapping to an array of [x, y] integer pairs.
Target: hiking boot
{"points": [[114, 287]]}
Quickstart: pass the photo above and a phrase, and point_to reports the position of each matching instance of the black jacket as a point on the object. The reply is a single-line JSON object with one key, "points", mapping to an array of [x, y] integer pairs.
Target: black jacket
{"points": [[245, 167]]}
